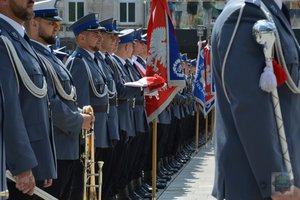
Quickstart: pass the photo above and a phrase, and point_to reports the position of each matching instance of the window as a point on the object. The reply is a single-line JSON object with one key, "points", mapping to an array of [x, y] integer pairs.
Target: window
{"points": [[127, 12], [76, 10], [294, 8]]}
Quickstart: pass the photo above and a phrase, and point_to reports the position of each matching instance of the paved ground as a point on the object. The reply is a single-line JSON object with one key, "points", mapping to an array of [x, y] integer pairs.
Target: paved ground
{"points": [[195, 181]]}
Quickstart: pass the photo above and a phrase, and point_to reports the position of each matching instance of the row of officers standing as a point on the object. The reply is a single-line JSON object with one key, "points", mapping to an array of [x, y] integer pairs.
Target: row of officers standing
{"points": [[42, 100]]}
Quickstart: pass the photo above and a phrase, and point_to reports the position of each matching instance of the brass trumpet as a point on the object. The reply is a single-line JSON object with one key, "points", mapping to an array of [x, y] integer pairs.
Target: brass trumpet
{"points": [[90, 186], [4, 193]]}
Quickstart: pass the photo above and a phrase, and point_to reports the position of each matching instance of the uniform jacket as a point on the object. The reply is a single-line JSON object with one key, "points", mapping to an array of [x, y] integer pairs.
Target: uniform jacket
{"points": [[139, 112], [113, 119], [246, 140], [85, 94], [125, 110], [66, 117], [27, 128]]}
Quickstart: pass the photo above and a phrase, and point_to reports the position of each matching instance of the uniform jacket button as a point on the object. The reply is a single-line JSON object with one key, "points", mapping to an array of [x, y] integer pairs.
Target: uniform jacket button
{"points": [[263, 185]]}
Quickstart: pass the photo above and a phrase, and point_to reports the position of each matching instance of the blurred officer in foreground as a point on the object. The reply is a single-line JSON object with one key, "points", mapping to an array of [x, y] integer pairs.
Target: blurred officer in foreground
{"points": [[30, 155], [244, 170], [67, 118]]}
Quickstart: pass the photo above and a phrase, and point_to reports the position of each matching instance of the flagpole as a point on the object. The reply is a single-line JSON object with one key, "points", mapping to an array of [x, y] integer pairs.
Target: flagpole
{"points": [[206, 130], [154, 148], [212, 124], [197, 128]]}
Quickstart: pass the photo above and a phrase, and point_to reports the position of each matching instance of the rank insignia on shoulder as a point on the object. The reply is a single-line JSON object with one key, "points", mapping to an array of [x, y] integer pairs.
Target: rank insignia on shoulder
{"points": [[14, 35], [78, 55]]}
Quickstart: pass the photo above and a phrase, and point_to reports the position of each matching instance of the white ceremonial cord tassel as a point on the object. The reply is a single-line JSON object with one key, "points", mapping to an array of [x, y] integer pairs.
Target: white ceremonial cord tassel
{"points": [[267, 81]]}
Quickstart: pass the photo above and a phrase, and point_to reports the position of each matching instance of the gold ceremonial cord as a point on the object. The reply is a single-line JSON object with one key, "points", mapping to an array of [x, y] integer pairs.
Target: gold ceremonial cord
{"points": [[89, 190]]}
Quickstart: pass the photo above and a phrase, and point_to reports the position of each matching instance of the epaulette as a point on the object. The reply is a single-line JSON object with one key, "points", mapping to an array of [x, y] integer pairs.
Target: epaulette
{"points": [[78, 55], [255, 2]]}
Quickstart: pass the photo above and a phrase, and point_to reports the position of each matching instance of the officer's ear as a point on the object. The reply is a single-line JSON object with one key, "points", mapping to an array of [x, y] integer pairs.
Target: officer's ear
{"points": [[33, 23], [81, 37]]}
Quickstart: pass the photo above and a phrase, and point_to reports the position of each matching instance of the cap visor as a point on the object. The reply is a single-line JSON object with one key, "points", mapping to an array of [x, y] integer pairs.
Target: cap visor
{"points": [[96, 29], [53, 19]]}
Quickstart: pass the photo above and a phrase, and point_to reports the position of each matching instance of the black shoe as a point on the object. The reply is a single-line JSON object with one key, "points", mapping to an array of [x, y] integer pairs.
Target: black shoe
{"points": [[163, 176], [175, 165], [144, 194], [135, 196], [160, 179], [181, 161], [164, 181], [143, 190], [171, 169], [147, 187], [166, 171], [160, 185]]}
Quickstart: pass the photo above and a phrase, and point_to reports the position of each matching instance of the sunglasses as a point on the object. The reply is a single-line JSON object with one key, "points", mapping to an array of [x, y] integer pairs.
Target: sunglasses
{"points": [[54, 23]]}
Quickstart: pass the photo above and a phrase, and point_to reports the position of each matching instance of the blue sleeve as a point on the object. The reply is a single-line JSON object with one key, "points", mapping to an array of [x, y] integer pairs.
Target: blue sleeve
{"points": [[19, 153], [81, 81]]}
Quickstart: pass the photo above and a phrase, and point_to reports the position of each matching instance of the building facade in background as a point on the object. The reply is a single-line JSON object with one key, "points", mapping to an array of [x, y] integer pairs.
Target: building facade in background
{"points": [[187, 15]]}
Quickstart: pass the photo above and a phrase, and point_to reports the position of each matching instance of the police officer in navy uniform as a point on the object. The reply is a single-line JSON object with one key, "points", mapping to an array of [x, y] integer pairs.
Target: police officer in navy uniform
{"points": [[125, 108], [109, 45], [109, 38], [139, 58], [142, 141], [32, 159], [67, 118], [244, 170], [90, 81], [139, 119]]}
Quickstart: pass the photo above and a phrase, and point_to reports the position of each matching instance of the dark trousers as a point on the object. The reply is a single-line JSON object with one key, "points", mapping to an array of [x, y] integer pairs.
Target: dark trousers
{"points": [[62, 185], [135, 149], [171, 139], [163, 130], [147, 154], [143, 152], [76, 182], [119, 163], [105, 155], [15, 194], [178, 135]]}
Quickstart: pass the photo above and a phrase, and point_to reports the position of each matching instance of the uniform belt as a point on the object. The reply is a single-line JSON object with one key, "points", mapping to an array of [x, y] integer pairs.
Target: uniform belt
{"points": [[113, 102], [131, 103], [99, 108], [139, 103]]}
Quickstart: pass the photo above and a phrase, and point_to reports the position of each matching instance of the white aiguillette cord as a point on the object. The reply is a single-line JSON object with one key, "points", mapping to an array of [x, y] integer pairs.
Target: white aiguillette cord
{"points": [[18, 67]]}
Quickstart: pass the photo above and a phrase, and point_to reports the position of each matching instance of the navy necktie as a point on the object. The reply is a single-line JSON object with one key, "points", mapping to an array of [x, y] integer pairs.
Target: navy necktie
{"points": [[27, 38]]}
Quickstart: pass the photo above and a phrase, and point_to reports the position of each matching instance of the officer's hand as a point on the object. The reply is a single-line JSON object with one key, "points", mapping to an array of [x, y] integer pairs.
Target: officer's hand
{"points": [[292, 194], [47, 183], [25, 182], [88, 121]]}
